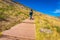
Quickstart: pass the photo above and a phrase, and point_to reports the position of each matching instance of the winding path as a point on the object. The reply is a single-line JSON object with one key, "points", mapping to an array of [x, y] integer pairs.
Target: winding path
{"points": [[22, 31]]}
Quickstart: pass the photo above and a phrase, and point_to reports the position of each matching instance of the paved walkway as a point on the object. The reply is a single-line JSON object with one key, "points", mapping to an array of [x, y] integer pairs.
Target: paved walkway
{"points": [[22, 31]]}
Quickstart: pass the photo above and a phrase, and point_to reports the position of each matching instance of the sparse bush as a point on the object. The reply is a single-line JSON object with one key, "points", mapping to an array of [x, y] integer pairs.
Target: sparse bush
{"points": [[9, 7], [2, 10], [47, 27], [19, 13], [46, 20], [2, 16], [57, 29]]}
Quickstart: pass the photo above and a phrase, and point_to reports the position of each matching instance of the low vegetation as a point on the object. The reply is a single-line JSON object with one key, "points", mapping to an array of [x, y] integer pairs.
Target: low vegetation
{"points": [[47, 28], [11, 13]]}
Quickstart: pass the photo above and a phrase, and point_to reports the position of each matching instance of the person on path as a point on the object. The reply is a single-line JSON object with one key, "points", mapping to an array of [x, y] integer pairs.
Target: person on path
{"points": [[31, 14]]}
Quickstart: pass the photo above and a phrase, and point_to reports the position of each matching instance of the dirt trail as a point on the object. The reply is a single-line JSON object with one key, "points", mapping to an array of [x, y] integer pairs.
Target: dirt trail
{"points": [[22, 31]]}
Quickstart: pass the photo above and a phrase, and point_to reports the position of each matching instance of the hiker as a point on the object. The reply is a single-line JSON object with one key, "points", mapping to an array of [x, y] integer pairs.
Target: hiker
{"points": [[31, 14]]}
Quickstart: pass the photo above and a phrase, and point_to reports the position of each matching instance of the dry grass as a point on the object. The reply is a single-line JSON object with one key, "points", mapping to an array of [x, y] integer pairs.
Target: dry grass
{"points": [[11, 14], [47, 23]]}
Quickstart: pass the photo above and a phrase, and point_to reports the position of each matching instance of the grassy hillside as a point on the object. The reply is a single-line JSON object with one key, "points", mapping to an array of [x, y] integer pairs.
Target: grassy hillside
{"points": [[11, 13], [47, 27]]}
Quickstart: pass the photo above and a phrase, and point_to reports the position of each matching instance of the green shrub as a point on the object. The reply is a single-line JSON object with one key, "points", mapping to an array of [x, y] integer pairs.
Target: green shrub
{"points": [[9, 8], [57, 28], [19, 12], [2, 16], [47, 27], [2, 9], [46, 20]]}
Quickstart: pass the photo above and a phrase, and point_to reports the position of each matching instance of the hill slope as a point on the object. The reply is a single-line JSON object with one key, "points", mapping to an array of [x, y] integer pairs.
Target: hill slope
{"points": [[11, 13], [47, 27]]}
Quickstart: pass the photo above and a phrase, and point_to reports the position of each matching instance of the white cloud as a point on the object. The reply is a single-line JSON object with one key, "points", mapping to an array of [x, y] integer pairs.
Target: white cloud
{"points": [[57, 11]]}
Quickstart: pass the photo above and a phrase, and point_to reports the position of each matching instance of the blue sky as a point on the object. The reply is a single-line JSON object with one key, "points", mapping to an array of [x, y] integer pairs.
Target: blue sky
{"points": [[50, 7]]}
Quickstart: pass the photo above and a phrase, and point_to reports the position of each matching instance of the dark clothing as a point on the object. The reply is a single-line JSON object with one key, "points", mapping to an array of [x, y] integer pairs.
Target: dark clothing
{"points": [[31, 13]]}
